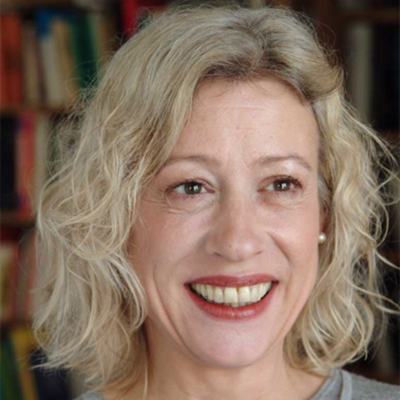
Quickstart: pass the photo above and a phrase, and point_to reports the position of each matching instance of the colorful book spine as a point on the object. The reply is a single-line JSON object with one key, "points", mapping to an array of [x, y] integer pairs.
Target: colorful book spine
{"points": [[8, 193], [25, 163], [50, 60], [32, 71], [54, 89], [11, 55], [135, 14], [61, 29], [10, 387], [22, 378], [84, 51], [9, 274], [23, 345]]}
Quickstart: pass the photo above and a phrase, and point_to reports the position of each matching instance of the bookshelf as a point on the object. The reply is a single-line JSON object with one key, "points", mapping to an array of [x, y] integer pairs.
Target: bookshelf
{"points": [[34, 100], [38, 39], [366, 34]]}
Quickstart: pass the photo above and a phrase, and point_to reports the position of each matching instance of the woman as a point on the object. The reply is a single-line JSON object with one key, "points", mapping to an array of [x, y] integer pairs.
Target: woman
{"points": [[214, 233]]}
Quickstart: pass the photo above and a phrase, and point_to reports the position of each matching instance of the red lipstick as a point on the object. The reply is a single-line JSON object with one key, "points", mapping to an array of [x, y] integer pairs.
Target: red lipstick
{"points": [[220, 311]]}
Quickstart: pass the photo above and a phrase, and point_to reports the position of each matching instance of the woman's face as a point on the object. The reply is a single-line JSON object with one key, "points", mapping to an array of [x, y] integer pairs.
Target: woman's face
{"points": [[235, 208]]}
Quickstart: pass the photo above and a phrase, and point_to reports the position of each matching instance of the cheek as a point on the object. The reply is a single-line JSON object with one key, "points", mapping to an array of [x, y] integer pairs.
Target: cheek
{"points": [[297, 229], [160, 242]]}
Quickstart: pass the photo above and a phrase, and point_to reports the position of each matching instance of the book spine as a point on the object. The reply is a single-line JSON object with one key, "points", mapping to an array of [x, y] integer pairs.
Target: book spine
{"points": [[360, 39], [10, 383], [3, 62], [8, 197], [9, 254], [54, 89], [129, 13], [25, 163], [31, 71], [41, 156], [23, 345], [12, 32], [103, 29], [61, 29]]}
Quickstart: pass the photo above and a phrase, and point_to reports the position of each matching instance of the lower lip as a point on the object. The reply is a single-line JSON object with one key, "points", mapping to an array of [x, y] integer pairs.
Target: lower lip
{"points": [[233, 313]]}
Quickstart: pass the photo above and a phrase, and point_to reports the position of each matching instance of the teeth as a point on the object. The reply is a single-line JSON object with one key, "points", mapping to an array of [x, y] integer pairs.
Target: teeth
{"points": [[218, 295], [210, 293], [254, 293], [244, 294], [232, 296]]}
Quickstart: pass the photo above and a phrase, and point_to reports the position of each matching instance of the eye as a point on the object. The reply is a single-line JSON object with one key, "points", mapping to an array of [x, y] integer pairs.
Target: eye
{"points": [[190, 188], [284, 184]]}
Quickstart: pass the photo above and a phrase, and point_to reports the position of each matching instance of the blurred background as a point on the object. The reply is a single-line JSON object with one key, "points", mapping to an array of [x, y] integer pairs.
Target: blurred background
{"points": [[52, 50]]}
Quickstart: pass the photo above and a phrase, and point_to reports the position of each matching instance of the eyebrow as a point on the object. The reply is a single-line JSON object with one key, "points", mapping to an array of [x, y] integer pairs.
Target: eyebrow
{"points": [[262, 161]]}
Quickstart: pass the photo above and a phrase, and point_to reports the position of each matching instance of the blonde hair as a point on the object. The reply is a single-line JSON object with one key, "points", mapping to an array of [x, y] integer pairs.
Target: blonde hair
{"points": [[93, 306]]}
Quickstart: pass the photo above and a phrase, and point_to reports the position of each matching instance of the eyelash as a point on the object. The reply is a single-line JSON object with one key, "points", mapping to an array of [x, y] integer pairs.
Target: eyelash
{"points": [[278, 180]]}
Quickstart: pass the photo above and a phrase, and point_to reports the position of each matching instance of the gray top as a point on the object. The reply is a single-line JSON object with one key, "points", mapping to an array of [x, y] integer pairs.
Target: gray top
{"points": [[342, 385]]}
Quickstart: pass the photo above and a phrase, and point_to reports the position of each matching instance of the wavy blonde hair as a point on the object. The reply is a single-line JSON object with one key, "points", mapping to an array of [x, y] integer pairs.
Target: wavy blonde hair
{"points": [[93, 306]]}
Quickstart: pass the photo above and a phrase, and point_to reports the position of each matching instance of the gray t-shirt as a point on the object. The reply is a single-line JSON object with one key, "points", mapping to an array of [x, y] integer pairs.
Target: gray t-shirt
{"points": [[342, 385]]}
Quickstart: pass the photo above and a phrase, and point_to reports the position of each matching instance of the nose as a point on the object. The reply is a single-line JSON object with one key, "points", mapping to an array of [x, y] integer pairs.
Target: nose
{"points": [[236, 232]]}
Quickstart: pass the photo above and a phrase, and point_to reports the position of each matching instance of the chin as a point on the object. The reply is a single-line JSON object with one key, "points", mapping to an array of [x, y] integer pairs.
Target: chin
{"points": [[233, 355]]}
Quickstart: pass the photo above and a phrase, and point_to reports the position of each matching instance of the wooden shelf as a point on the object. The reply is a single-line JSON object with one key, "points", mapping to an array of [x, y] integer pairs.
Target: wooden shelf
{"points": [[385, 16], [19, 109], [13, 219], [9, 322], [34, 3], [28, 5]]}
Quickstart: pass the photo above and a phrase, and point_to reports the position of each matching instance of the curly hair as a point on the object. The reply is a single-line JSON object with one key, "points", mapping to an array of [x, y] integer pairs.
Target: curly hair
{"points": [[93, 307]]}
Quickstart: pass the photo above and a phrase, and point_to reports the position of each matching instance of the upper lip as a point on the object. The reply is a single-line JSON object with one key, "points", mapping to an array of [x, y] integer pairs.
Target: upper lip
{"points": [[231, 280]]}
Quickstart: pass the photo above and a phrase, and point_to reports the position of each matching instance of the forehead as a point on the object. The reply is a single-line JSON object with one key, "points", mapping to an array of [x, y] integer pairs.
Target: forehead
{"points": [[259, 118]]}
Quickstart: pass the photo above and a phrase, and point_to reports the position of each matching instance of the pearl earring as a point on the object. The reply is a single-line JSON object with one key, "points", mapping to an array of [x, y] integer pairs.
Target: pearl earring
{"points": [[322, 238]]}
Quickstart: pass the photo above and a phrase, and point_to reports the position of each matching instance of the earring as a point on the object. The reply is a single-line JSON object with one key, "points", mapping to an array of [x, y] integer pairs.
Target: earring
{"points": [[322, 238]]}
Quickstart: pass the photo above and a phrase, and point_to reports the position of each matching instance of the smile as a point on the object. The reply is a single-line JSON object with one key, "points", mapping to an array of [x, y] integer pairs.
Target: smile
{"points": [[232, 296]]}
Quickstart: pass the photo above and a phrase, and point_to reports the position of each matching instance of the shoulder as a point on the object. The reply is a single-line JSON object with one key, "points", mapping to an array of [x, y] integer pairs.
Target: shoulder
{"points": [[360, 388]]}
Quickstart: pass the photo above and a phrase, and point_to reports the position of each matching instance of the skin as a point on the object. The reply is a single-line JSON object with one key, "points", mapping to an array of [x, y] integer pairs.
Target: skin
{"points": [[240, 222]]}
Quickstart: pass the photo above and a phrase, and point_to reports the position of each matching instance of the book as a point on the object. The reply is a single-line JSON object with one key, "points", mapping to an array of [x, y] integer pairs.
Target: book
{"points": [[374, 72], [360, 41], [386, 77], [7, 261], [26, 297], [11, 54], [136, 13], [103, 28], [3, 63], [9, 269], [23, 344], [54, 89], [25, 161], [41, 156], [84, 51], [10, 387], [33, 85], [8, 194], [61, 28]]}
